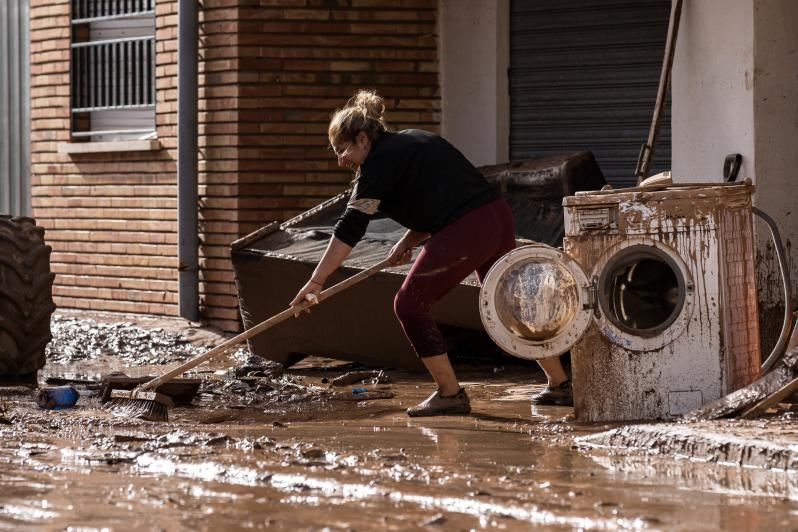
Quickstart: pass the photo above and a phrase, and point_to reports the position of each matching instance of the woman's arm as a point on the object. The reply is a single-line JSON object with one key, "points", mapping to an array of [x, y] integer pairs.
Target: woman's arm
{"points": [[334, 255], [402, 251], [414, 238]]}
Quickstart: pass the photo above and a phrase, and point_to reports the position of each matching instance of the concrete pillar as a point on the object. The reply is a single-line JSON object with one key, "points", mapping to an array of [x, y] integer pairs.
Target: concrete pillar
{"points": [[776, 142], [735, 90], [475, 54], [712, 113]]}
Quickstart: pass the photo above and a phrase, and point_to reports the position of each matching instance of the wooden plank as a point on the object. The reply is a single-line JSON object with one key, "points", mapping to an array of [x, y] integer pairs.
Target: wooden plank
{"points": [[771, 400]]}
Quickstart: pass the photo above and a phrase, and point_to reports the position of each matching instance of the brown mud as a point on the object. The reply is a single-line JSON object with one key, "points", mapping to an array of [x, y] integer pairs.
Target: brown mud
{"points": [[261, 448]]}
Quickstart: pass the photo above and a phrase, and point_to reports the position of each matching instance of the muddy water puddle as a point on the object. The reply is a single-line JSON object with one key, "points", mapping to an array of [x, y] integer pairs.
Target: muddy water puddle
{"points": [[262, 448], [357, 466]]}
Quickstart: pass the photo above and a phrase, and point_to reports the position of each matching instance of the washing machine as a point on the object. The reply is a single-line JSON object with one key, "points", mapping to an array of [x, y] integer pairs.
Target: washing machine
{"points": [[653, 292]]}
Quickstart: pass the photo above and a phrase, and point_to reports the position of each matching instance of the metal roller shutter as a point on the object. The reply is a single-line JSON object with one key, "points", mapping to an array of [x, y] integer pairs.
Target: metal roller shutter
{"points": [[14, 108], [584, 76]]}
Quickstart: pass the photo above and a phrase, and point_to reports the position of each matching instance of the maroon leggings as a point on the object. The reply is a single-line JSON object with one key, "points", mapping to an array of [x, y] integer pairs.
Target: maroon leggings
{"points": [[472, 242]]}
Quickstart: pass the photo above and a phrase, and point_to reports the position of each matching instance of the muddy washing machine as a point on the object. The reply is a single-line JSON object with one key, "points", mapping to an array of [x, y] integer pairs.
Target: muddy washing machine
{"points": [[654, 293]]}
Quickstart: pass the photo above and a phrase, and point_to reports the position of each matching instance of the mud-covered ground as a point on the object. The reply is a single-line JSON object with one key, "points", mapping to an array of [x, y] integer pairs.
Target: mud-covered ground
{"points": [[260, 448]]}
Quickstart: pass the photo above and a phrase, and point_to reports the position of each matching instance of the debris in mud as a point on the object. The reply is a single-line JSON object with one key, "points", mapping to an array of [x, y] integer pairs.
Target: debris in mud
{"points": [[11, 391], [353, 377], [388, 456], [180, 438], [3, 419], [253, 382], [362, 396], [438, 519], [256, 366], [313, 453], [780, 375], [259, 391], [80, 339], [74, 381], [76, 339], [218, 439], [114, 458], [262, 384], [249, 386], [57, 397], [180, 390], [131, 438]]}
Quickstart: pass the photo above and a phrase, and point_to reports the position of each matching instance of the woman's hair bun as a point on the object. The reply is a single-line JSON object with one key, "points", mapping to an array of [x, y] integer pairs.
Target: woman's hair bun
{"points": [[370, 102], [363, 112]]}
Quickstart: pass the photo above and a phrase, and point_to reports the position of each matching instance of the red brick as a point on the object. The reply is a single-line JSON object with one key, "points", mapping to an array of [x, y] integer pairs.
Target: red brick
{"points": [[270, 74]]}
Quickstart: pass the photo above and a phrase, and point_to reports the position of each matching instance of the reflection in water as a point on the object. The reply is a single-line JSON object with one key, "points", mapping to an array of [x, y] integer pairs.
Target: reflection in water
{"points": [[355, 466], [717, 478], [429, 433], [332, 491]]}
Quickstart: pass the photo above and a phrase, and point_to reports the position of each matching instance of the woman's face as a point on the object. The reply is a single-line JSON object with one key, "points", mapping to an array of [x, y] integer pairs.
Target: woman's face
{"points": [[352, 154]]}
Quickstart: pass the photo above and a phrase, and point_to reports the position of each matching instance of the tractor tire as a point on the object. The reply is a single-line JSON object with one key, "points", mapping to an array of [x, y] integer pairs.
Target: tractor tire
{"points": [[26, 297]]}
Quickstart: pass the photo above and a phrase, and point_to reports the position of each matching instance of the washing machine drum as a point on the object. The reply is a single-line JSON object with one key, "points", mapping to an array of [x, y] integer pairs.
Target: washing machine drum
{"points": [[537, 302]]}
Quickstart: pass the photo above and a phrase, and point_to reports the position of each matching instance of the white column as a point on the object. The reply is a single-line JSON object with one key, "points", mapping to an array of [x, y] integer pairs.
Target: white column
{"points": [[735, 90], [474, 52], [713, 90], [776, 114]]}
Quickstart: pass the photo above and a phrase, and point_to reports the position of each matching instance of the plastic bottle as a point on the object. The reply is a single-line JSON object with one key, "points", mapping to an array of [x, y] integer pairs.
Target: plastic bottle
{"points": [[57, 397]]}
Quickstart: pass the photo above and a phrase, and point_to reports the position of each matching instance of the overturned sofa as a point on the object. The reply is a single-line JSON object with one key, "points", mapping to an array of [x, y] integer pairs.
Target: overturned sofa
{"points": [[358, 324]]}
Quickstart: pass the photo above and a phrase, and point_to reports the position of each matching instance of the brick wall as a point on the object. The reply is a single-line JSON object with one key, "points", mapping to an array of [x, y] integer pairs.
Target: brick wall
{"points": [[218, 160], [270, 75], [110, 217], [299, 60]]}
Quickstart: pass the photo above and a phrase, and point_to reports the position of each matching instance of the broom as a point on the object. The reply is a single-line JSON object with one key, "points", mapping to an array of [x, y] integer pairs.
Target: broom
{"points": [[145, 403]]}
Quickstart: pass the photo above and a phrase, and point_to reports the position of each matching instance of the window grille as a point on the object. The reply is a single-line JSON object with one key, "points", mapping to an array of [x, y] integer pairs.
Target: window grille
{"points": [[117, 73], [84, 11], [113, 69]]}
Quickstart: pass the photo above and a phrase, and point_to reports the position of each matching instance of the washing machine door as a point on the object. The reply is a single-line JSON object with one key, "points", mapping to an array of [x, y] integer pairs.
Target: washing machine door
{"points": [[645, 294], [535, 302]]}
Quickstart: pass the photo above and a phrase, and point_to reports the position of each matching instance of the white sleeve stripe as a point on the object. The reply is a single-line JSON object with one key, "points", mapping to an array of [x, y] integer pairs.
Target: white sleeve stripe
{"points": [[365, 205]]}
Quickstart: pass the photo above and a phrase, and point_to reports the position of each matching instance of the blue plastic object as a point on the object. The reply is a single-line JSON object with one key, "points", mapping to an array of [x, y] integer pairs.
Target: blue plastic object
{"points": [[57, 397], [359, 390]]}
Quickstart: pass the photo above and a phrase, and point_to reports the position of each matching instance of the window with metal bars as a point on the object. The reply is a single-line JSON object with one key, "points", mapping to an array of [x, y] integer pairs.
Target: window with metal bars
{"points": [[113, 69]]}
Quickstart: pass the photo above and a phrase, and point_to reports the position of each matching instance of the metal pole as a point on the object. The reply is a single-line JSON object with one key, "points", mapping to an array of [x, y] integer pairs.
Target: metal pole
{"points": [[25, 206], [14, 109], [187, 217]]}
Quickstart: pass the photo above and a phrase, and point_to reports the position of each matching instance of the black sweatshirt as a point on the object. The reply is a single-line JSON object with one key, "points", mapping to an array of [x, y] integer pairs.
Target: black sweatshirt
{"points": [[417, 179]]}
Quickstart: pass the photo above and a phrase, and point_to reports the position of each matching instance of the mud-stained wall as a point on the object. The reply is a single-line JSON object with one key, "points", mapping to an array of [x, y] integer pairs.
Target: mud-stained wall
{"points": [[776, 131], [734, 91]]}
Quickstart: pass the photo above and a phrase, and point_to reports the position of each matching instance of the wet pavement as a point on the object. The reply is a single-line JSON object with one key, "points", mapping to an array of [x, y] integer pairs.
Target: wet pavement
{"points": [[261, 448]]}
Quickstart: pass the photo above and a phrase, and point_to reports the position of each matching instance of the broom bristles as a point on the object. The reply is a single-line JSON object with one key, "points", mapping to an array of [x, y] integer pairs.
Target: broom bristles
{"points": [[150, 406]]}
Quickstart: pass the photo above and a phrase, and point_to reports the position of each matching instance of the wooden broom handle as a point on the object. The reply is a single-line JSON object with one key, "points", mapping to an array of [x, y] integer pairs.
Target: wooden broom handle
{"points": [[262, 326]]}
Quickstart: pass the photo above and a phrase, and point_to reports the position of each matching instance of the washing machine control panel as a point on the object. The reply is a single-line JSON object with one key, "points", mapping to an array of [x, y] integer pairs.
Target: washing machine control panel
{"points": [[597, 218]]}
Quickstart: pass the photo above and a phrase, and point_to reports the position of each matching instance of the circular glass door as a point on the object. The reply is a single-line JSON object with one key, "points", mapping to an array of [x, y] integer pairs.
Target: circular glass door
{"points": [[533, 302], [645, 294]]}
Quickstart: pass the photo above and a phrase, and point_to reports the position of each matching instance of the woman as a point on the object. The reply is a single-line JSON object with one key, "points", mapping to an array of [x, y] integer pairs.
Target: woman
{"points": [[428, 186]]}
